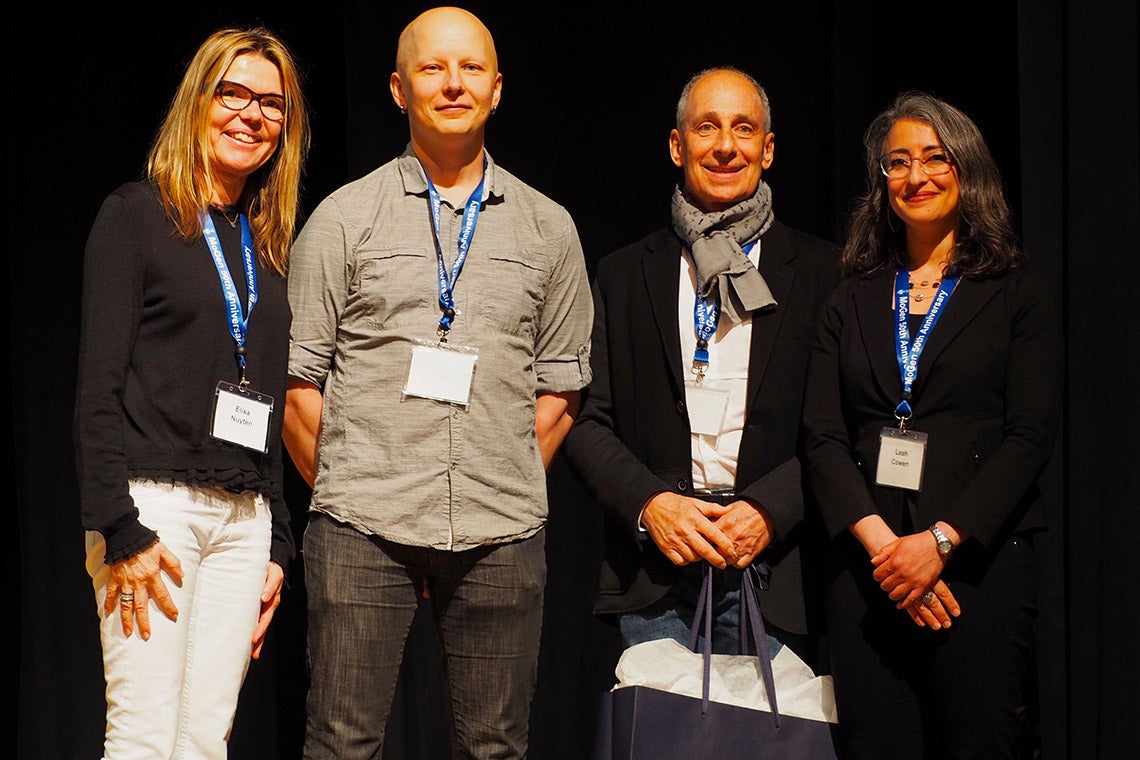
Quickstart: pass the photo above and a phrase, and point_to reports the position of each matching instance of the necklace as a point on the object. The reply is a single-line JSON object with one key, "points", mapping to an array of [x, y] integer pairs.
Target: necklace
{"points": [[923, 284], [234, 220]]}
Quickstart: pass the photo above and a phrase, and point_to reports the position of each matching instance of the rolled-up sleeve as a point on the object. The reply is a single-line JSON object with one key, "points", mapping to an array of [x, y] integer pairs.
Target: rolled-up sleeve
{"points": [[562, 345], [319, 273]]}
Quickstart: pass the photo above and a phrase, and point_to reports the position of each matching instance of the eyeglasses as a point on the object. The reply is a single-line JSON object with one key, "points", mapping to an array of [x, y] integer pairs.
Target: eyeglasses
{"points": [[237, 97], [897, 165]]}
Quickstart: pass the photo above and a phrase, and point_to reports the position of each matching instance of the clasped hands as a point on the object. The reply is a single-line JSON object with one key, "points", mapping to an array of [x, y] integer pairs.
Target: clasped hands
{"points": [[908, 569], [687, 529]]}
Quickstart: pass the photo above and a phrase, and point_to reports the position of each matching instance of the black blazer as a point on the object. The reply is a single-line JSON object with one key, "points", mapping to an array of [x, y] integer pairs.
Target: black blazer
{"points": [[988, 395], [632, 438]]}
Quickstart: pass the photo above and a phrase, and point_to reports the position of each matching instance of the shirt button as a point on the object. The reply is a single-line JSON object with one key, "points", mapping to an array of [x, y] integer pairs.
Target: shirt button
{"points": [[680, 407], [682, 485]]}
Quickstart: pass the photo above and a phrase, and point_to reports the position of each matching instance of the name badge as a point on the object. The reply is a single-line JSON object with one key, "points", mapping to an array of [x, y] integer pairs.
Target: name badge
{"points": [[901, 459], [241, 416], [442, 373], [707, 408]]}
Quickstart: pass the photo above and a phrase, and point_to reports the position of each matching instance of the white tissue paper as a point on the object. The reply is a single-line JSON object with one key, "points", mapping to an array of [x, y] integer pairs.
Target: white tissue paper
{"points": [[734, 679]]}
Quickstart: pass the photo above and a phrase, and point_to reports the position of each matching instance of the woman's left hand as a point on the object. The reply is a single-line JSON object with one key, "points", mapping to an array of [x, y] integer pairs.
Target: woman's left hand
{"points": [[270, 598], [907, 567]]}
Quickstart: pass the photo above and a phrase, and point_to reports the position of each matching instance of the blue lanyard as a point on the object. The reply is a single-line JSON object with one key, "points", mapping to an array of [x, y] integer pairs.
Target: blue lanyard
{"points": [[908, 351], [706, 316], [239, 323], [470, 217]]}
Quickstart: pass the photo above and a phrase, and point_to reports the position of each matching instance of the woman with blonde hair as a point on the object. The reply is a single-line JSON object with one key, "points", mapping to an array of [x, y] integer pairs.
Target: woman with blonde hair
{"points": [[183, 351]]}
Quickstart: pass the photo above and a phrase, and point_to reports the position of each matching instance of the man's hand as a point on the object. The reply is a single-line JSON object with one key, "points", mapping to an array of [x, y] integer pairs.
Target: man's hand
{"points": [[686, 530], [750, 528], [270, 598]]}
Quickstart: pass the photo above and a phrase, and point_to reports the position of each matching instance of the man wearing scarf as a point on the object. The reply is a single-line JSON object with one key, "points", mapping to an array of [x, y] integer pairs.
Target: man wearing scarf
{"points": [[689, 432]]}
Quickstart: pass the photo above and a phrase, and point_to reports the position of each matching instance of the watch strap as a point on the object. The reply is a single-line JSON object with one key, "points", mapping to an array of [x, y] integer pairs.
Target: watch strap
{"points": [[945, 545]]}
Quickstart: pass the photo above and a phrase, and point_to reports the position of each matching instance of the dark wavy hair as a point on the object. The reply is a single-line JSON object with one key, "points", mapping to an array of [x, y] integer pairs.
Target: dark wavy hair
{"points": [[985, 245]]}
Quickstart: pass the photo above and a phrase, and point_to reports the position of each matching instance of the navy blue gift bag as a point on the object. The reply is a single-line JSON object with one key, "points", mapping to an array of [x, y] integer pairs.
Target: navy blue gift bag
{"points": [[638, 722]]}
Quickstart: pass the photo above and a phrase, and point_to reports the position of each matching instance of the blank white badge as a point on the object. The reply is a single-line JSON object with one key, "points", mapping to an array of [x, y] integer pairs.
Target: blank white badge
{"points": [[707, 408], [901, 458], [440, 373]]}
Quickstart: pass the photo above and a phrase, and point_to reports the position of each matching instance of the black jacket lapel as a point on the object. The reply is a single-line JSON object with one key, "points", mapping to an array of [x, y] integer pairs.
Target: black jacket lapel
{"points": [[776, 254], [661, 267]]}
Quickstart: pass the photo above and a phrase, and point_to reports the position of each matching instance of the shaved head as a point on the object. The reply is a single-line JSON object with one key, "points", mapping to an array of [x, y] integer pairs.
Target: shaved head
{"points": [[448, 83], [438, 23]]}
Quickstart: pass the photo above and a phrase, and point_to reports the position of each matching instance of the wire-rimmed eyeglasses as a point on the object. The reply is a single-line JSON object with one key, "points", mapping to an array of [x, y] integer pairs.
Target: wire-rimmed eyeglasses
{"points": [[897, 165]]}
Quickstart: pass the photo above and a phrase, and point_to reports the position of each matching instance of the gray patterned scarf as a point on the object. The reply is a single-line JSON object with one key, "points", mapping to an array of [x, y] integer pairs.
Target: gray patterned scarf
{"points": [[715, 241]]}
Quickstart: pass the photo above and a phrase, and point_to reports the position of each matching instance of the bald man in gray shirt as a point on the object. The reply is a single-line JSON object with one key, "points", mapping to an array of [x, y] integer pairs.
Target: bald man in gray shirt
{"points": [[440, 340]]}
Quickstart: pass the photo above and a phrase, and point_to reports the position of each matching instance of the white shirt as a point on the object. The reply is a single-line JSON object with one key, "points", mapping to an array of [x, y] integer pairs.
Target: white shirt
{"points": [[714, 456]]}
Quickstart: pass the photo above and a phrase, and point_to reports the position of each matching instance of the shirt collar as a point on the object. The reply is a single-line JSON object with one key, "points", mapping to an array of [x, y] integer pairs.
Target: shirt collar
{"points": [[415, 181]]}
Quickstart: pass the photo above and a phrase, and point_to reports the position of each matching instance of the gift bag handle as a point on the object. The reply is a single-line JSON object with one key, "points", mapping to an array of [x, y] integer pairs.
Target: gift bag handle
{"points": [[752, 630]]}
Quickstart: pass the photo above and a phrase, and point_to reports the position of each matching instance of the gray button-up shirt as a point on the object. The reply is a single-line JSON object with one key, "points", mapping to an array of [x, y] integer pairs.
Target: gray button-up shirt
{"points": [[363, 287]]}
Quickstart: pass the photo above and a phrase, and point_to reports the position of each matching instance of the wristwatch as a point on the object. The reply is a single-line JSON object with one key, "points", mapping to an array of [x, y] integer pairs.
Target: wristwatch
{"points": [[945, 546]]}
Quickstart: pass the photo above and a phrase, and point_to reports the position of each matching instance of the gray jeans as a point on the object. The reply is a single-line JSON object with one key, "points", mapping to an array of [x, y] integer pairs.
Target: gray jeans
{"points": [[362, 597]]}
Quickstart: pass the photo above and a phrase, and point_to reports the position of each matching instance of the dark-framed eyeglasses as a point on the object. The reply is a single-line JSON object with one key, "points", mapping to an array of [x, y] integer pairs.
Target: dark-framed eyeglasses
{"points": [[237, 97], [897, 165]]}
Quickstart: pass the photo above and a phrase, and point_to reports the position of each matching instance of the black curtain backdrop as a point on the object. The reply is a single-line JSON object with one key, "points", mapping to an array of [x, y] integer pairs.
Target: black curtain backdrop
{"points": [[588, 99]]}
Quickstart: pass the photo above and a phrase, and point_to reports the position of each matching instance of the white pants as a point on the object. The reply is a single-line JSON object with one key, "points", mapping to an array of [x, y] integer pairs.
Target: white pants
{"points": [[174, 696]]}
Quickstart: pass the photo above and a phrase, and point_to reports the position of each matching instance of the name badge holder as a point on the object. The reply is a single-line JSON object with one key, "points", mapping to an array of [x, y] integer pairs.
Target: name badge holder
{"points": [[902, 452], [241, 415], [707, 407], [441, 371]]}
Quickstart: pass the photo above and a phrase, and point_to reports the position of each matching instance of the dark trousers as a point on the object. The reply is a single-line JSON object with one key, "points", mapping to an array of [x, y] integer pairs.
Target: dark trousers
{"points": [[918, 694], [363, 593]]}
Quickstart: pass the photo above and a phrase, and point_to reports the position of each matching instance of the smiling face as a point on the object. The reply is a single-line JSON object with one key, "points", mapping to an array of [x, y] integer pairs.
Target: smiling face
{"points": [[242, 141], [927, 205], [720, 144], [447, 76]]}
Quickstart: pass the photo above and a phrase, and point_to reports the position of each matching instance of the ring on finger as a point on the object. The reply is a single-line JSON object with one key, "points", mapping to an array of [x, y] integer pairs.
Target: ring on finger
{"points": [[928, 598], [126, 598]]}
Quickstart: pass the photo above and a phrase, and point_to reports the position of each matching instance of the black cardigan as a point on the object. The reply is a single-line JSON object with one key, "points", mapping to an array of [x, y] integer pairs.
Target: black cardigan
{"points": [[154, 342]]}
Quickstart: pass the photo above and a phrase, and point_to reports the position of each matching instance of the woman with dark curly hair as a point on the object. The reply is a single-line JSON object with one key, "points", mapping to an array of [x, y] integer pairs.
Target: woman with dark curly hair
{"points": [[933, 400]]}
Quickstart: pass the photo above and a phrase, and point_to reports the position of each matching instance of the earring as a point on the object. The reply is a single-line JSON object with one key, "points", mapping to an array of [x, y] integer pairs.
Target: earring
{"points": [[404, 110], [493, 109]]}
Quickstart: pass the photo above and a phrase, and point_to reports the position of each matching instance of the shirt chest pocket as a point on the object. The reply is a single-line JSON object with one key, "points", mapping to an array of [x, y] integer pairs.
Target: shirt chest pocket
{"points": [[510, 293], [388, 290]]}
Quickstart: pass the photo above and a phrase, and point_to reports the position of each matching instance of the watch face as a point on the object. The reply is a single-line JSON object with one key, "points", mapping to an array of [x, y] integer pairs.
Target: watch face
{"points": [[945, 546]]}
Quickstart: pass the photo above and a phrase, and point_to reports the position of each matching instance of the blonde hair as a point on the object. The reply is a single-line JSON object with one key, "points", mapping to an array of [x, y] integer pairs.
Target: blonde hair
{"points": [[178, 163]]}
